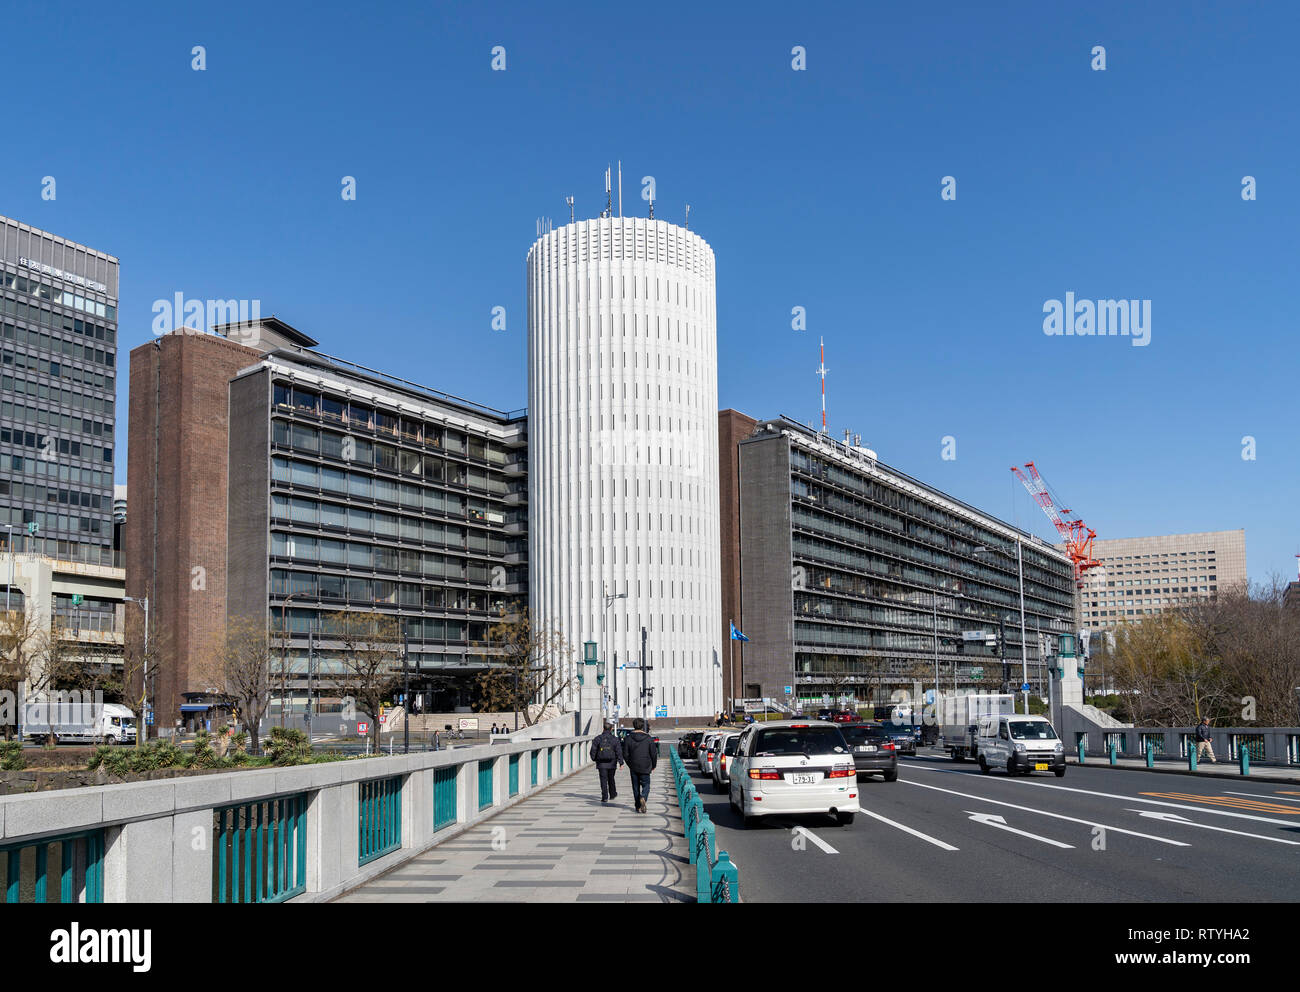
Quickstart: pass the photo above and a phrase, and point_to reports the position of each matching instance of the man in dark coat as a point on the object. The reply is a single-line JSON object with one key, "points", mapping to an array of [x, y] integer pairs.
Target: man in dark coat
{"points": [[607, 753], [641, 755]]}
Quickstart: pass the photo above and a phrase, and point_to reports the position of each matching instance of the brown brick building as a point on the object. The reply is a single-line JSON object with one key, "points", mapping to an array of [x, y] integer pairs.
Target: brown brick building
{"points": [[733, 427], [175, 535]]}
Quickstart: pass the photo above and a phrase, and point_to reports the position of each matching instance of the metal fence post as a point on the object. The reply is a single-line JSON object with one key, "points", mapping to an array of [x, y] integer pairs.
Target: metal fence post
{"points": [[1151, 754], [1081, 750], [1191, 754], [1243, 753], [1113, 759]]}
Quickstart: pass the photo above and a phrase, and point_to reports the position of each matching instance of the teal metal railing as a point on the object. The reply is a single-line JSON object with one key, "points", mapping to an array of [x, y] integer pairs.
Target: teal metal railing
{"points": [[379, 817], [716, 878], [261, 850], [66, 869], [514, 775], [485, 783], [444, 797]]}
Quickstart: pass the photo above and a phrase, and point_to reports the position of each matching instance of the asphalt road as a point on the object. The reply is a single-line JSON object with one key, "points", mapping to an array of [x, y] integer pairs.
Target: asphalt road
{"points": [[946, 833]]}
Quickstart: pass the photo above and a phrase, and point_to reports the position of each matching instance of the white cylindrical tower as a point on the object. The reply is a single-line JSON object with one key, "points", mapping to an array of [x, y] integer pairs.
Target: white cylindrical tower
{"points": [[623, 454]]}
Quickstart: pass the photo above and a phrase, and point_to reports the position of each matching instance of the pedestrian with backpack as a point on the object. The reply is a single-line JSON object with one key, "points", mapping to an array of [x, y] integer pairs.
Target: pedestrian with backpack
{"points": [[607, 753], [641, 755]]}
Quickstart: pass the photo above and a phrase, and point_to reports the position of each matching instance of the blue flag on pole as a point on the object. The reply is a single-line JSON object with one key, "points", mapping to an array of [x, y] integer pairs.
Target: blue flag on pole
{"points": [[735, 634]]}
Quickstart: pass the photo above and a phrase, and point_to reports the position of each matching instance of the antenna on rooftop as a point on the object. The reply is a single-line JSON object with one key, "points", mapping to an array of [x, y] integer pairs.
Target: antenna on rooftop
{"points": [[821, 371], [688, 216], [609, 202], [569, 201]]}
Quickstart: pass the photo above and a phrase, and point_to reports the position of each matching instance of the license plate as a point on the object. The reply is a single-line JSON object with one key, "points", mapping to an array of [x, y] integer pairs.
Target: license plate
{"points": [[869, 747], [1040, 767], [806, 778]]}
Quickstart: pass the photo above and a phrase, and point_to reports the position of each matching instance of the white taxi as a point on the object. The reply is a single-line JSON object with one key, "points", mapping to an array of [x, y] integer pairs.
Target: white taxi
{"points": [[791, 767]]}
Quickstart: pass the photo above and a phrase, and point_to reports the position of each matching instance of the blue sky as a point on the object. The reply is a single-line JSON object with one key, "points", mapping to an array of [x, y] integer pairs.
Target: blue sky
{"points": [[816, 188]]}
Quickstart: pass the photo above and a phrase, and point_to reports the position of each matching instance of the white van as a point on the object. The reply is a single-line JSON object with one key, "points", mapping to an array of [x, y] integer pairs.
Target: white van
{"points": [[1020, 744]]}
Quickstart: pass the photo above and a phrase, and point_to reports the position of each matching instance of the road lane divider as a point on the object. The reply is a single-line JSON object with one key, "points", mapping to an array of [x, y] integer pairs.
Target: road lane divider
{"points": [[1158, 802], [993, 820], [1256, 795], [1055, 816], [908, 830], [816, 840], [1253, 805], [1183, 821]]}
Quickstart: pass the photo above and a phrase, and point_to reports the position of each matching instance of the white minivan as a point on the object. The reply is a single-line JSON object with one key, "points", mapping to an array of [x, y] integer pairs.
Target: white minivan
{"points": [[1020, 744], [793, 766]]}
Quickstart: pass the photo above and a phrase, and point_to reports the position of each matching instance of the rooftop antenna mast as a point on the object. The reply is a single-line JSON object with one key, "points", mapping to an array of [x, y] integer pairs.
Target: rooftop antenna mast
{"points": [[569, 201], [688, 216], [620, 187], [821, 371], [609, 204]]}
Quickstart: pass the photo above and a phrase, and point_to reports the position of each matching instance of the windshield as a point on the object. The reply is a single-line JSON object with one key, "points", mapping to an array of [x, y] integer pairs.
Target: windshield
{"points": [[730, 747], [1031, 730], [857, 735], [799, 740]]}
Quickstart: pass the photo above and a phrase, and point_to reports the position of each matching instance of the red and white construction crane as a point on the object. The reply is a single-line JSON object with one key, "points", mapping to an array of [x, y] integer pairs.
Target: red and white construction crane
{"points": [[1077, 536]]}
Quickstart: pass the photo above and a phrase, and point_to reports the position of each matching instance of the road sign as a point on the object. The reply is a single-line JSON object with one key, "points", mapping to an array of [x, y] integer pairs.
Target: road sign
{"points": [[661, 712], [1024, 687], [468, 723], [76, 599], [789, 690], [363, 728]]}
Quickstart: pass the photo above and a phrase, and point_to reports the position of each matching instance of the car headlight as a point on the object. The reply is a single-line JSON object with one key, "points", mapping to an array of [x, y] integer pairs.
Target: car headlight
{"points": [[1020, 748], [1059, 746]]}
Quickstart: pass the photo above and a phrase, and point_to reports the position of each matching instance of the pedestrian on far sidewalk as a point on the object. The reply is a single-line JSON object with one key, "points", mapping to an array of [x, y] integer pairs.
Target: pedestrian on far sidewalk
{"points": [[1204, 741], [607, 753], [642, 756]]}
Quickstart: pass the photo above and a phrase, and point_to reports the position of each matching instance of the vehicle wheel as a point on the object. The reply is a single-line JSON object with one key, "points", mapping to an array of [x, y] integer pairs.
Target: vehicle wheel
{"points": [[731, 801], [957, 755], [846, 819], [890, 776], [1011, 766], [984, 765], [1060, 773], [109, 740]]}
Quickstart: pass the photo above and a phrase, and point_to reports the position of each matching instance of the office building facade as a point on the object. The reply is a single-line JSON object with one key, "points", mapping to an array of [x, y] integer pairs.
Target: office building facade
{"points": [[1144, 576], [350, 490], [857, 580], [622, 388], [58, 345]]}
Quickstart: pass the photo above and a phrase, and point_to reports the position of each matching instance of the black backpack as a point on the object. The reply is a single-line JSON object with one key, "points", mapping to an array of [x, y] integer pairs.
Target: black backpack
{"points": [[604, 753]]}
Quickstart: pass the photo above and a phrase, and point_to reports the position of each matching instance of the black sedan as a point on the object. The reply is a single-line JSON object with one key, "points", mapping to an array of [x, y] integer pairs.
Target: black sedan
{"points": [[689, 744], [874, 751], [903, 736]]}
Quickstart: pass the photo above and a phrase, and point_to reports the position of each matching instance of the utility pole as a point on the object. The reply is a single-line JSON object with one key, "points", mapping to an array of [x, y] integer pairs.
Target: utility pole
{"points": [[645, 692]]}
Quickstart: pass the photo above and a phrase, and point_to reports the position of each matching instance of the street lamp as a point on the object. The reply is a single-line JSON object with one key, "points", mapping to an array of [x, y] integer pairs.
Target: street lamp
{"points": [[604, 621], [143, 603]]}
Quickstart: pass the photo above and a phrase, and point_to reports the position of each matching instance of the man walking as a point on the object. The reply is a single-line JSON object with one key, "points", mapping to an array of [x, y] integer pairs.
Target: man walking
{"points": [[607, 753], [1204, 743], [642, 756]]}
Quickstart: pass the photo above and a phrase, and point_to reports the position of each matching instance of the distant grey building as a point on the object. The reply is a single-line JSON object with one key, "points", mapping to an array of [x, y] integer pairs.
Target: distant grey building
{"points": [[58, 345], [856, 579]]}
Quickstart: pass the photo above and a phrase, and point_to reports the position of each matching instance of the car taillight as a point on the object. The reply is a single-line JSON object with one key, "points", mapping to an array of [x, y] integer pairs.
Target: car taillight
{"points": [[723, 762], [842, 771], [886, 747], [765, 773]]}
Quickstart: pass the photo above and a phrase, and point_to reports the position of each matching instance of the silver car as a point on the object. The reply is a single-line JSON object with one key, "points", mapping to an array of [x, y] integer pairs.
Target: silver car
{"points": [[722, 760]]}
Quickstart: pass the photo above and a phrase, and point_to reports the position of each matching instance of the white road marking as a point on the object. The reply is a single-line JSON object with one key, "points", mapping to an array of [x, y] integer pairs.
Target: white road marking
{"points": [[1158, 802], [1262, 796], [993, 820], [816, 840], [1183, 821], [908, 830], [1043, 812]]}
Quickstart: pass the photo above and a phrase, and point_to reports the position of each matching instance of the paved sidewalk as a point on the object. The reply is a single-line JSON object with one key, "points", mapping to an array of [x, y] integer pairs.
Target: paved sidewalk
{"points": [[1204, 769], [560, 845]]}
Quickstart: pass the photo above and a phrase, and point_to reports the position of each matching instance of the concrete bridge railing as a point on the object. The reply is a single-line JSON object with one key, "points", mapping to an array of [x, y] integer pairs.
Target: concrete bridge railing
{"points": [[300, 833]]}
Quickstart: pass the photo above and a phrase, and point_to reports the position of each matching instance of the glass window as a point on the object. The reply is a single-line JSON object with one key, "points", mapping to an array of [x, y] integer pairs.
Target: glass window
{"points": [[361, 416], [304, 474], [360, 485], [455, 441], [331, 444], [811, 741], [282, 396], [432, 469], [359, 520], [334, 479], [305, 439], [305, 401], [332, 587], [360, 555], [280, 469], [332, 409], [333, 516], [386, 457], [385, 423], [333, 552], [385, 524], [386, 490], [359, 590], [305, 511]]}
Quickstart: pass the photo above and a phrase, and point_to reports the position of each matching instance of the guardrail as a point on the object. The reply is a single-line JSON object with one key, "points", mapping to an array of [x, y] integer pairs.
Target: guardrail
{"points": [[1244, 746], [303, 833], [717, 879]]}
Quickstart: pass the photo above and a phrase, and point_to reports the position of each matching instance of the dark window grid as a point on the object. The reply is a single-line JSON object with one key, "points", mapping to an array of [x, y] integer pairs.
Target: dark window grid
{"points": [[292, 414]]}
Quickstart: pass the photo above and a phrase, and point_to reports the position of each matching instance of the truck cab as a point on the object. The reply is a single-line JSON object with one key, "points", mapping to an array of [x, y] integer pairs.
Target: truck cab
{"points": [[1019, 744]]}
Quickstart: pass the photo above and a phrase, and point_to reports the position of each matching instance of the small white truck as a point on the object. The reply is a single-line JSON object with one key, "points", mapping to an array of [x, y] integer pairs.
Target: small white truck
{"points": [[1019, 744], [959, 715], [79, 723]]}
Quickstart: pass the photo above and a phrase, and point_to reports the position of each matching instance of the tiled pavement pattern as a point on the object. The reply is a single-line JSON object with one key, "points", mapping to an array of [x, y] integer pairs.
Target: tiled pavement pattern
{"points": [[560, 845]]}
